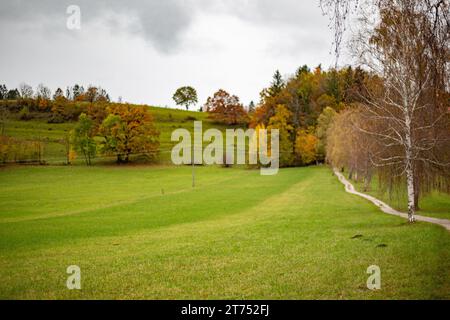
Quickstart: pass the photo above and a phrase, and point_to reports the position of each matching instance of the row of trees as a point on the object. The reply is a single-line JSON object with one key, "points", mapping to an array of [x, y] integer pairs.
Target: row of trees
{"points": [[42, 92], [401, 127], [390, 116], [302, 108], [293, 107], [56, 108]]}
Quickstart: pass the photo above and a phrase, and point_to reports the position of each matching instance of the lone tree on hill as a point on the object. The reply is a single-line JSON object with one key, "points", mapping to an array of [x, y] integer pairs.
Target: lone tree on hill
{"points": [[185, 96]]}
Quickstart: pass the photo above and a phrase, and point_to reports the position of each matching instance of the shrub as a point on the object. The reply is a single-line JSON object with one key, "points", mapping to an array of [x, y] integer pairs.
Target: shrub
{"points": [[24, 114]]}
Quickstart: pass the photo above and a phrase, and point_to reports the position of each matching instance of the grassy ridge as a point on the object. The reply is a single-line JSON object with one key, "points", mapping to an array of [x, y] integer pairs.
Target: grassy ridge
{"points": [[146, 233]]}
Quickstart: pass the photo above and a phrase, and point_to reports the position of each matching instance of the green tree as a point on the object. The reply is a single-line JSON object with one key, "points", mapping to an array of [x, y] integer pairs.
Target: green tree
{"points": [[59, 94], [251, 107], [3, 92], [185, 96], [277, 84], [77, 91], [13, 94], [334, 85], [83, 138], [302, 70]]}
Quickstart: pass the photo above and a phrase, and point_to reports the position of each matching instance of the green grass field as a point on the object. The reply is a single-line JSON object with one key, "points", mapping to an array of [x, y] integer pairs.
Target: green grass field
{"points": [[144, 232]]}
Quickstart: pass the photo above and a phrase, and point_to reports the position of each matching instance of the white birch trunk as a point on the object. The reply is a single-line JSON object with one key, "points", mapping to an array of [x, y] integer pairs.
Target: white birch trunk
{"points": [[410, 186], [409, 167]]}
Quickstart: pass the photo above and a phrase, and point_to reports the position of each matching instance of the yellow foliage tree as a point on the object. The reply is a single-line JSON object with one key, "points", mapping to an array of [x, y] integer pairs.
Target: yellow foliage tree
{"points": [[306, 146], [129, 130], [281, 121], [255, 145]]}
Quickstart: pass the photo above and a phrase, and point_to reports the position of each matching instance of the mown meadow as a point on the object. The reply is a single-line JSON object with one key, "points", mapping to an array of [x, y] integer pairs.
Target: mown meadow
{"points": [[144, 232]]}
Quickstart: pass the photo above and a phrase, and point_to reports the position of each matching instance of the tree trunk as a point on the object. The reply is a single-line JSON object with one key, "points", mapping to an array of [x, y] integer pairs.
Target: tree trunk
{"points": [[367, 180], [411, 195], [409, 167], [390, 188], [350, 173], [85, 157], [416, 194]]}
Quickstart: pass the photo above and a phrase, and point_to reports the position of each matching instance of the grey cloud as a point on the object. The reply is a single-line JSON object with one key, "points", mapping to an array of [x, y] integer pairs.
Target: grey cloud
{"points": [[159, 22], [235, 44], [281, 12]]}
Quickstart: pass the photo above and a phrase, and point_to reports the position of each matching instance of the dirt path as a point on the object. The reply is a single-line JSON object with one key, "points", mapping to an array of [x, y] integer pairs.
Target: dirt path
{"points": [[387, 209]]}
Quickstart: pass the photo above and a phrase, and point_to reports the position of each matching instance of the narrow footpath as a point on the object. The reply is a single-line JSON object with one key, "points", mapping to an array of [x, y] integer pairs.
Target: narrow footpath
{"points": [[385, 208]]}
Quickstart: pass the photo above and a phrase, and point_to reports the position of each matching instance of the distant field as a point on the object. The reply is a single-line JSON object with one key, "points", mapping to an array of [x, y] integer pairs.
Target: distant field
{"points": [[166, 120], [143, 232]]}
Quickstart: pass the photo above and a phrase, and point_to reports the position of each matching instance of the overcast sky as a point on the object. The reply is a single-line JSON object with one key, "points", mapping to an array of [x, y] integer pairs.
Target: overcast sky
{"points": [[144, 50]]}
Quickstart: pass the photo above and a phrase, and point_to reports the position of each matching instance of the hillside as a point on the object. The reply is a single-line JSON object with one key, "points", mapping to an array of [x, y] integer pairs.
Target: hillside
{"points": [[52, 134]]}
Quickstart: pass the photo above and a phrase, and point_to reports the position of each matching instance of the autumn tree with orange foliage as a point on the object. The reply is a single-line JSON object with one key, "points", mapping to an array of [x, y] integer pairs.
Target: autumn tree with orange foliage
{"points": [[129, 130], [98, 111], [226, 108]]}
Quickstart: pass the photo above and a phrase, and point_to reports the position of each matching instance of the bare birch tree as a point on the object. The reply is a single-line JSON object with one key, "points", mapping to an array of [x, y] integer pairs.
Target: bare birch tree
{"points": [[405, 112]]}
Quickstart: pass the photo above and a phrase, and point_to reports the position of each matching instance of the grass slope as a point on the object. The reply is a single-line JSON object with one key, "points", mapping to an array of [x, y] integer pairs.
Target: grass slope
{"points": [[166, 120], [143, 232]]}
